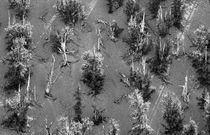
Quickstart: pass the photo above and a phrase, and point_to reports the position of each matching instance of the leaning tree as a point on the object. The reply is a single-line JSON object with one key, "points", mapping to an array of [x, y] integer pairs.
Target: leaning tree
{"points": [[92, 72], [172, 115]]}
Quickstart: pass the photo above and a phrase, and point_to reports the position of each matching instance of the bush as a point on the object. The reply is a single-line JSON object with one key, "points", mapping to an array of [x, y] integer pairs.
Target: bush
{"points": [[92, 72], [70, 11], [114, 5], [20, 7]]}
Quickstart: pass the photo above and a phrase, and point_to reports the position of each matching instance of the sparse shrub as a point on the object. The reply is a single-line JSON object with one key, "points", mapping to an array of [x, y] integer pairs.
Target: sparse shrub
{"points": [[21, 8], [114, 5], [139, 109], [191, 128], [92, 72], [70, 127], [70, 11], [114, 127], [132, 9], [98, 117], [160, 63], [172, 115]]}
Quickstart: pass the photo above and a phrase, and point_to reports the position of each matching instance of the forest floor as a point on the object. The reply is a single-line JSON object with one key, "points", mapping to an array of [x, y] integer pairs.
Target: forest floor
{"points": [[113, 64]]}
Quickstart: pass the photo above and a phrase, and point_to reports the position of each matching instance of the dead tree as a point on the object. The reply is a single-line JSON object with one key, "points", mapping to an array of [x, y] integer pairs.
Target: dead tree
{"points": [[51, 81]]}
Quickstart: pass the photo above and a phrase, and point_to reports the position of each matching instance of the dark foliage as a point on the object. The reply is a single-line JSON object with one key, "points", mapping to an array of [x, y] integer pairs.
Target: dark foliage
{"points": [[56, 43], [92, 74], [16, 120], [177, 11], [114, 5], [78, 106], [14, 80], [160, 63], [132, 9], [93, 80], [98, 118], [202, 100], [200, 58], [172, 116], [20, 7], [142, 83], [154, 7], [70, 11], [116, 30]]}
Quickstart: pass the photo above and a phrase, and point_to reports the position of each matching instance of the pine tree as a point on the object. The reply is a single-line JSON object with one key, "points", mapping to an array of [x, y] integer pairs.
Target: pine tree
{"points": [[139, 109], [172, 115]]}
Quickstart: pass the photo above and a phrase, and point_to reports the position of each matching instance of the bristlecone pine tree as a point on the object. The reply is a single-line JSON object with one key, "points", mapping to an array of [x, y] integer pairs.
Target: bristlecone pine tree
{"points": [[18, 58], [139, 109], [71, 12], [92, 72], [142, 82], [138, 41], [159, 64], [132, 9], [172, 115], [114, 5], [21, 8], [190, 129], [201, 56]]}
